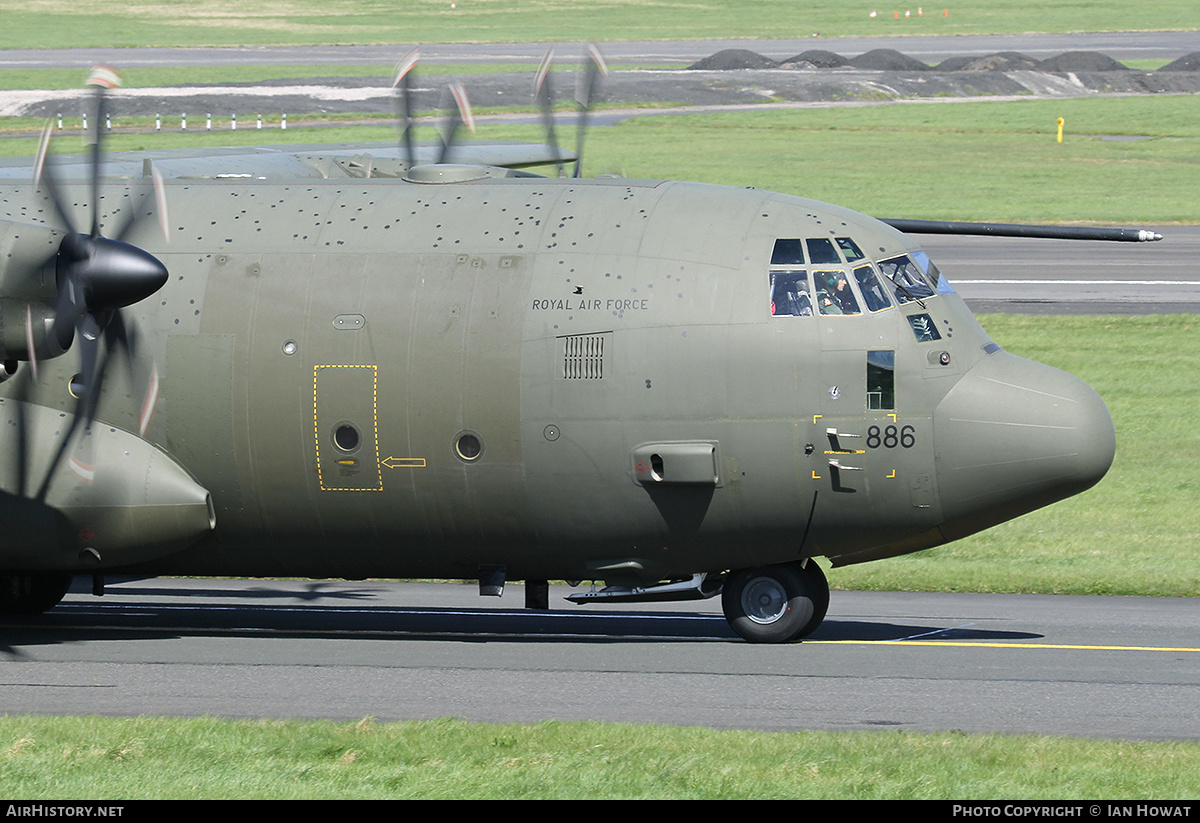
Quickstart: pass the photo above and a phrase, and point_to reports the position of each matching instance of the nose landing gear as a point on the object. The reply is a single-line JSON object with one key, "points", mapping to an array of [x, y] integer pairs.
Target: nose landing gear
{"points": [[776, 604]]}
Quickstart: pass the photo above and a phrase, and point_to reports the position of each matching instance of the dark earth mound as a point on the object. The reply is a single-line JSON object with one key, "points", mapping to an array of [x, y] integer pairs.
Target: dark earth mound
{"points": [[1082, 61], [814, 59], [1189, 62], [1000, 61], [734, 59], [887, 60], [892, 60]]}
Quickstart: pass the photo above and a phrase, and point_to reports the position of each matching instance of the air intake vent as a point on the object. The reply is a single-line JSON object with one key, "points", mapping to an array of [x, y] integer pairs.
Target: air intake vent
{"points": [[584, 356]]}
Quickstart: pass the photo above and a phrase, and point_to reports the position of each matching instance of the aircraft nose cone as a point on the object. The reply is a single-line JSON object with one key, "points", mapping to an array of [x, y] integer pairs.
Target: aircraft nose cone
{"points": [[1013, 436]]}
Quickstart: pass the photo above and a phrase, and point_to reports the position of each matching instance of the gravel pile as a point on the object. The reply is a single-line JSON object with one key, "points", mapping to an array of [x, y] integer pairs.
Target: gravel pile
{"points": [[814, 59], [887, 60], [1189, 62], [1082, 61], [730, 59], [1000, 61], [892, 60]]}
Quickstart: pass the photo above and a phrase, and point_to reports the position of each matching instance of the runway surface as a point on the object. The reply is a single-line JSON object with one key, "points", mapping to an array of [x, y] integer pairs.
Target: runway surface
{"points": [[1034, 276], [1106, 667], [1118, 45]]}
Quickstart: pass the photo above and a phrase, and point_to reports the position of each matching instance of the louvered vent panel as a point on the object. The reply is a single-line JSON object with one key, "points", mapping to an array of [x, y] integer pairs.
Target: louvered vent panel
{"points": [[584, 356]]}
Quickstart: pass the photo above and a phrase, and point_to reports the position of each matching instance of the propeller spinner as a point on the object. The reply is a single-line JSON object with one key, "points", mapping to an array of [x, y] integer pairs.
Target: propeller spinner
{"points": [[96, 277]]}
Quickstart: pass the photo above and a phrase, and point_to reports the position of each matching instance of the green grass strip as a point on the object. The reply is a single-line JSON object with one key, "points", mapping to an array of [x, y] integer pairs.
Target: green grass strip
{"points": [[1136, 532], [950, 160], [45, 23], [159, 758]]}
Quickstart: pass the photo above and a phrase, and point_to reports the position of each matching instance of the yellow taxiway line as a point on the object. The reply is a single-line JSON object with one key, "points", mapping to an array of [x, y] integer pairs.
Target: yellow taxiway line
{"points": [[1004, 645]]}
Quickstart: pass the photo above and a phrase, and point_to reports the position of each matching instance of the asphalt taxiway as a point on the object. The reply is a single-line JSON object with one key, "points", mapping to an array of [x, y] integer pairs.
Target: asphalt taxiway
{"points": [[1035, 276], [1102, 667], [1119, 45]]}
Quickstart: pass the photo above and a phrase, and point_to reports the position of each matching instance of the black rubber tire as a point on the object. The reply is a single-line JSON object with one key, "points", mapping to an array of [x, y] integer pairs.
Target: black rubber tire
{"points": [[819, 591], [771, 604], [32, 592]]}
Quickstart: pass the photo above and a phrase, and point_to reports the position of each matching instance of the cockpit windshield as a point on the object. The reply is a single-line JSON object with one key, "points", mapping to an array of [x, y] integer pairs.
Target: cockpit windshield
{"points": [[832, 276], [872, 290], [907, 280], [932, 274]]}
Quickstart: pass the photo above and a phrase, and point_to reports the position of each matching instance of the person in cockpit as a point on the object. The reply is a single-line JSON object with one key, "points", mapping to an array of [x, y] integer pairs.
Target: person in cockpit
{"points": [[834, 295]]}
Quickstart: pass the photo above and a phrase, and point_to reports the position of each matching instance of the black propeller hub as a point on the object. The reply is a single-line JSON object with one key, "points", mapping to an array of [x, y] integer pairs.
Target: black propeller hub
{"points": [[106, 274]]}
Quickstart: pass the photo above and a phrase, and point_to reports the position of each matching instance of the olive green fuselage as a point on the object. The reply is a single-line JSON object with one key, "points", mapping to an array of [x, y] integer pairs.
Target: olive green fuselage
{"points": [[568, 379]]}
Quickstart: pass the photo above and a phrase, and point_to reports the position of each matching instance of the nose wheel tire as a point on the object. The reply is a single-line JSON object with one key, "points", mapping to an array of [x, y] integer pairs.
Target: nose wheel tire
{"points": [[32, 592], [775, 604]]}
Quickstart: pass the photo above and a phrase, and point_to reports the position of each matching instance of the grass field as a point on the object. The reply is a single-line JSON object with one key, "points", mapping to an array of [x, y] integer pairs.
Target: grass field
{"points": [[155, 758], [53, 23], [957, 161]]}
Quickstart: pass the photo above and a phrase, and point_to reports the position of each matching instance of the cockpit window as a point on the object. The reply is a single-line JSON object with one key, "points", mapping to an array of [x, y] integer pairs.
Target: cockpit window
{"points": [[821, 250], [850, 249], [834, 295], [789, 294], [787, 253], [881, 380], [908, 282], [874, 295], [924, 328], [932, 274]]}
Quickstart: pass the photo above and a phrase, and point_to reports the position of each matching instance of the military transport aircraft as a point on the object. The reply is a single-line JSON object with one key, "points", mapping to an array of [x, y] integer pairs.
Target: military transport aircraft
{"points": [[373, 362]]}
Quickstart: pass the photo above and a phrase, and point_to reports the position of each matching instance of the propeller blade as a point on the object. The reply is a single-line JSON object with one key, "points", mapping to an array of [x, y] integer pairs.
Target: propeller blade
{"points": [[134, 217], [101, 78], [96, 277], [44, 177], [20, 395], [459, 115], [464, 105], [542, 93], [85, 390], [29, 344], [150, 401], [594, 68], [122, 335], [404, 101]]}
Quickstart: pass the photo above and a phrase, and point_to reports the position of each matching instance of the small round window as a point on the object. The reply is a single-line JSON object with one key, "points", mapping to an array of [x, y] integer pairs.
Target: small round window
{"points": [[346, 437], [468, 446]]}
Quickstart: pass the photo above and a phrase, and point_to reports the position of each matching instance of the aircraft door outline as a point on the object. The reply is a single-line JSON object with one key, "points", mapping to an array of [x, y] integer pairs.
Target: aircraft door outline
{"points": [[346, 428]]}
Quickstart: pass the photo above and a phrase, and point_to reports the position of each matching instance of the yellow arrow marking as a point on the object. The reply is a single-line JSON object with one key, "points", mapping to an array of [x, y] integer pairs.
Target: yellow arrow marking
{"points": [[404, 462]]}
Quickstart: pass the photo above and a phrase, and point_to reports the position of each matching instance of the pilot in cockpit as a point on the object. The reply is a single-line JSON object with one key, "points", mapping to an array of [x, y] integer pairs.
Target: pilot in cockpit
{"points": [[834, 295]]}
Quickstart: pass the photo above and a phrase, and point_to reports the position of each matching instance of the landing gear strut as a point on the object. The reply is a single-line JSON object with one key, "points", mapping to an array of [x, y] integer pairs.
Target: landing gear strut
{"points": [[776, 604], [32, 592]]}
